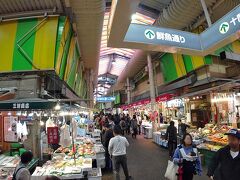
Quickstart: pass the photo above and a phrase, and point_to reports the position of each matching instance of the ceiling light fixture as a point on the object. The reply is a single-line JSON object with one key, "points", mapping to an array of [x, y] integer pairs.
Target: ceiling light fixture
{"points": [[134, 17], [113, 61]]}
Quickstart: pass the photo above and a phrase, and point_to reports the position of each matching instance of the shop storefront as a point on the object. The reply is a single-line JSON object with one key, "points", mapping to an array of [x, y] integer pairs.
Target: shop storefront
{"points": [[62, 134]]}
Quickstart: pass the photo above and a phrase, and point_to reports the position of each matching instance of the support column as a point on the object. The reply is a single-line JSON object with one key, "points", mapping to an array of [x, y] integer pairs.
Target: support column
{"points": [[91, 87], [151, 87], [206, 13], [128, 91]]}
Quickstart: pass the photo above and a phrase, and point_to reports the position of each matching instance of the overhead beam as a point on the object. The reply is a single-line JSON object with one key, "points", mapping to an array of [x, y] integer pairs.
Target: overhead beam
{"points": [[111, 58], [117, 34]]}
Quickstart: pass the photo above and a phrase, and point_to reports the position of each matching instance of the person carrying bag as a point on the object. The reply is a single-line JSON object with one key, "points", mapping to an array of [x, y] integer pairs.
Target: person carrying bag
{"points": [[186, 156]]}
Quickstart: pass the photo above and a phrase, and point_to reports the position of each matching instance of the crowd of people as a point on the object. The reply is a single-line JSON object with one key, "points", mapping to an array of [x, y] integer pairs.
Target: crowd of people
{"points": [[114, 128], [224, 166], [127, 124]]}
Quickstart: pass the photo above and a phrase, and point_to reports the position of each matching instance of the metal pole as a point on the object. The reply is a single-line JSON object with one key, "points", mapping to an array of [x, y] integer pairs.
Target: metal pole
{"points": [[151, 82], [151, 87], [206, 13]]}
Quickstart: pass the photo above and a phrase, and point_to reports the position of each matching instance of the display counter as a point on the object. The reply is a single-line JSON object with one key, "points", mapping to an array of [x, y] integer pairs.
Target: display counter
{"points": [[75, 162], [72, 173], [159, 138], [9, 163]]}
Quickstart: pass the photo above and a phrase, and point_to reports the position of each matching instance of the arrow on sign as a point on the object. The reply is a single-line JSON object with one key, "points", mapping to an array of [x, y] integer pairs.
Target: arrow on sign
{"points": [[149, 34], [224, 27]]}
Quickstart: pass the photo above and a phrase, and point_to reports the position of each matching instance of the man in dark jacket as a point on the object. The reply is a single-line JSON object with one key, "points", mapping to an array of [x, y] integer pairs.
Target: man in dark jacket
{"points": [[134, 127], [182, 128], [106, 138], [171, 136], [226, 163]]}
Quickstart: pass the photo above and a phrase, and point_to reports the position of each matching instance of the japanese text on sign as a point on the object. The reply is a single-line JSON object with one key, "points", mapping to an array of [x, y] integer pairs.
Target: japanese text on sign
{"points": [[52, 133], [170, 37], [235, 20], [21, 106]]}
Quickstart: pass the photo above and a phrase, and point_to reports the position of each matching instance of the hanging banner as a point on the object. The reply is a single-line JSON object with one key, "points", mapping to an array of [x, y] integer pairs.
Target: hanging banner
{"points": [[52, 134], [165, 97]]}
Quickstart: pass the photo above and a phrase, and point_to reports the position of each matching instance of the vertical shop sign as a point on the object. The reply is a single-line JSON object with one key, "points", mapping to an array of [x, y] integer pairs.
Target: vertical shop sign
{"points": [[10, 129], [52, 133]]}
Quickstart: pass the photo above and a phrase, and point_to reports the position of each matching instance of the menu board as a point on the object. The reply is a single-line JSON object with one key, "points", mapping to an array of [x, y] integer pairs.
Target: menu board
{"points": [[10, 129], [52, 133]]}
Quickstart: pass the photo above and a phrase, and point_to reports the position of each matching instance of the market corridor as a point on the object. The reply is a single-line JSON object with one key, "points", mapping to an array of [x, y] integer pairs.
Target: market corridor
{"points": [[146, 161]]}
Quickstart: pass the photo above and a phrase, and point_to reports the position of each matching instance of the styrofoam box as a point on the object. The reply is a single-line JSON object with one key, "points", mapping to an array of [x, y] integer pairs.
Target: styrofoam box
{"points": [[100, 155], [101, 163]]}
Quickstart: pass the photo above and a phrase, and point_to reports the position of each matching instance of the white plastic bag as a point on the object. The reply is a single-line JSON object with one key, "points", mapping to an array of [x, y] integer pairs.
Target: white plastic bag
{"points": [[171, 172]]}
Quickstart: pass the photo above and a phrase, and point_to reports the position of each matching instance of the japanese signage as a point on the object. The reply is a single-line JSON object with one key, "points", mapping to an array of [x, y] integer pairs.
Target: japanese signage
{"points": [[221, 33], [162, 36], [105, 99], [165, 97], [52, 134], [27, 105], [20, 106], [222, 29], [10, 129]]}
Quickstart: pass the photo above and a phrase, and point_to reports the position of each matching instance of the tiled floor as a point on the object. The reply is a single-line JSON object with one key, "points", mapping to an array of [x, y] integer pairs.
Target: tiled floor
{"points": [[146, 161]]}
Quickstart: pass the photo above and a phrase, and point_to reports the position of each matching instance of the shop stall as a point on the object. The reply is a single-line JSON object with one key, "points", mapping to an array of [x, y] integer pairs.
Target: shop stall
{"points": [[75, 161]]}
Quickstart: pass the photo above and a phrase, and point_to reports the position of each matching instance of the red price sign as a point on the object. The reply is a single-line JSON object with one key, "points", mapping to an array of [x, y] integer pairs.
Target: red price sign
{"points": [[52, 133]]}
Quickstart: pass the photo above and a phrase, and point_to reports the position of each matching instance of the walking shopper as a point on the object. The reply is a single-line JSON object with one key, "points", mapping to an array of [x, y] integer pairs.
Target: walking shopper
{"points": [[128, 124], [118, 150], [134, 127], [21, 172], [139, 123], [182, 128], [171, 136], [186, 156], [226, 163], [161, 118], [106, 139], [123, 125]]}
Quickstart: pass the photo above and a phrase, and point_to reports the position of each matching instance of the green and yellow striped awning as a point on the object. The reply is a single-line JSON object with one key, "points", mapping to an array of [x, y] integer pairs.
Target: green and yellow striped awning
{"points": [[172, 66], [42, 44], [28, 44]]}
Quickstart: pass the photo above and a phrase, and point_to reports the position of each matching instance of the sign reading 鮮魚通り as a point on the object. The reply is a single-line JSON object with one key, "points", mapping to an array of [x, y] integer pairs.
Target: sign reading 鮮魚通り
{"points": [[219, 34], [164, 36]]}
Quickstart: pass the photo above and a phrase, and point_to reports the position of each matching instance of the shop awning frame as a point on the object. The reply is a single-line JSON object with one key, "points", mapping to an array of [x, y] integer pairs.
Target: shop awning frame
{"points": [[220, 87]]}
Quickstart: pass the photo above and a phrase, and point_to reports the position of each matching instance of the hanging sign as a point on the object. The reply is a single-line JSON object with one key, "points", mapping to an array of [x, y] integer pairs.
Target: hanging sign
{"points": [[106, 99], [162, 36], [10, 129], [165, 97], [52, 134], [27, 105], [221, 33]]}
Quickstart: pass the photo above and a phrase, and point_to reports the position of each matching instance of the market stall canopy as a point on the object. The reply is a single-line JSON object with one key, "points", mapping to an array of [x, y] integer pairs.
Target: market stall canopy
{"points": [[27, 104]]}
